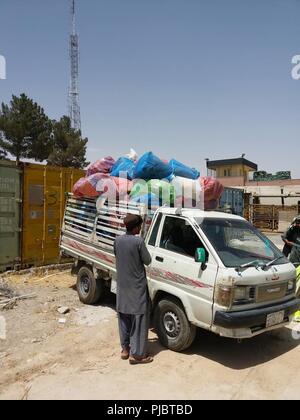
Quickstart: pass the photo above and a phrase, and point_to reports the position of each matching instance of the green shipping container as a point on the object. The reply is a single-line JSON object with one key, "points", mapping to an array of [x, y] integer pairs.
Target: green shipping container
{"points": [[10, 202]]}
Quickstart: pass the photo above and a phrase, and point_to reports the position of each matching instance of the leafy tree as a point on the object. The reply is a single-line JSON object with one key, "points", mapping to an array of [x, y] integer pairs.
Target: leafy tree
{"points": [[69, 148], [3, 154], [25, 129]]}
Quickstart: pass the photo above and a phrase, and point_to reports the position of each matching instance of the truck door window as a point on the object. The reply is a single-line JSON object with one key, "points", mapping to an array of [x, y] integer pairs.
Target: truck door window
{"points": [[152, 240], [180, 237]]}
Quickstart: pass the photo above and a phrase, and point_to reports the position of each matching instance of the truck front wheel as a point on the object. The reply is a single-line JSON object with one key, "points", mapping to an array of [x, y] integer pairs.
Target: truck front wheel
{"points": [[89, 288], [173, 328]]}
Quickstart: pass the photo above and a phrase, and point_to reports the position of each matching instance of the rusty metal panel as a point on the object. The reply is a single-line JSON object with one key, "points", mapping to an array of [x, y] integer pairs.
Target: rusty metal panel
{"points": [[10, 201], [44, 197]]}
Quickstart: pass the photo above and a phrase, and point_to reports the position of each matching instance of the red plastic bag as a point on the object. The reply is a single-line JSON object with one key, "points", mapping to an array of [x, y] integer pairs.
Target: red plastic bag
{"points": [[114, 188], [87, 187], [103, 166], [124, 186], [212, 189]]}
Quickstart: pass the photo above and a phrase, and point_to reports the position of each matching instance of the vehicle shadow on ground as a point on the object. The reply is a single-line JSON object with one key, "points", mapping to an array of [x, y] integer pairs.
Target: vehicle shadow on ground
{"points": [[235, 355], [249, 353], [227, 352], [108, 299]]}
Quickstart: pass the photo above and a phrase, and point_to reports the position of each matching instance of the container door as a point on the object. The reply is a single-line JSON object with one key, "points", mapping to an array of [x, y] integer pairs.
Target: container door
{"points": [[34, 215], [10, 193], [45, 191]]}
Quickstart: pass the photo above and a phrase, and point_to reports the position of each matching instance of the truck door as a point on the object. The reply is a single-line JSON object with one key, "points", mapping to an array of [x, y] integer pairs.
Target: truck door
{"points": [[173, 264]]}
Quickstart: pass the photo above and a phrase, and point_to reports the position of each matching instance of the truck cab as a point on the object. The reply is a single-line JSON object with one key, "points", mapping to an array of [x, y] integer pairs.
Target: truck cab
{"points": [[225, 275], [210, 270]]}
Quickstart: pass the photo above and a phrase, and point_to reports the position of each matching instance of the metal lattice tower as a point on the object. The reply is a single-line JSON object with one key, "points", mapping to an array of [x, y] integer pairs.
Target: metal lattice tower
{"points": [[74, 105]]}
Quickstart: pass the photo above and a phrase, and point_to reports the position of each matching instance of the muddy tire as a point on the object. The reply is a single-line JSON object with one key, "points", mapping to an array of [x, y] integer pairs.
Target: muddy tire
{"points": [[89, 289], [172, 326]]}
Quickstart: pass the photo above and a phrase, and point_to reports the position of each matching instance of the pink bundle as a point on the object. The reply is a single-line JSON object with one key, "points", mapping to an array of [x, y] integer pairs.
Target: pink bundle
{"points": [[114, 188], [213, 191], [212, 188], [103, 166], [102, 185], [87, 187]]}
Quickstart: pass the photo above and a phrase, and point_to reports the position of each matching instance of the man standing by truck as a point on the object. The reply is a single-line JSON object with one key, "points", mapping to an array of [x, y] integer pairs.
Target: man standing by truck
{"points": [[133, 302], [292, 240]]}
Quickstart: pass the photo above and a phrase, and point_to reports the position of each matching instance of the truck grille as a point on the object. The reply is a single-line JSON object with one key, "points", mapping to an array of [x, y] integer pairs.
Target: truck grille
{"points": [[271, 292], [252, 292]]}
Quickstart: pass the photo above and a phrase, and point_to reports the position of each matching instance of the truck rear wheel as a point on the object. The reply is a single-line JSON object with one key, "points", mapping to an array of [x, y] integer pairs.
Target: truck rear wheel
{"points": [[89, 289], [173, 328]]}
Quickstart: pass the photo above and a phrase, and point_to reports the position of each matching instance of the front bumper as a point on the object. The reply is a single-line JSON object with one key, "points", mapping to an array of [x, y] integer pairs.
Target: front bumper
{"points": [[255, 317]]}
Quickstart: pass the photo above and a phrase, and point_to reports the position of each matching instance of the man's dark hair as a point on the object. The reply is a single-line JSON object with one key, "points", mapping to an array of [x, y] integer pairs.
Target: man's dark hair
{"points": [[132, 221]]}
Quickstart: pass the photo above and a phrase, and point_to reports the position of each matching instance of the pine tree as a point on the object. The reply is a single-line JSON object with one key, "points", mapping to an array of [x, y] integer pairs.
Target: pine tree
{"points": [[69, 148], [25, 129]]}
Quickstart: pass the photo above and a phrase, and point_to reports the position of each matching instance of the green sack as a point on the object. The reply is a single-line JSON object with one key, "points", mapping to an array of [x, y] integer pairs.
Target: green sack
{"points": [[162, 189], [139, 188]]}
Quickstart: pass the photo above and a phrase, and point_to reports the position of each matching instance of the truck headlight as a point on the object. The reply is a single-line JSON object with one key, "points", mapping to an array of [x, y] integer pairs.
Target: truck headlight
{"points": [[241, 293], [224, 296], [244, 295], [291, 287]]}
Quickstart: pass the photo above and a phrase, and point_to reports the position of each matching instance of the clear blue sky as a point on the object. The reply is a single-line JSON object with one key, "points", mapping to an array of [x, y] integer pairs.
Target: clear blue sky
{"points": [[189, 79]]}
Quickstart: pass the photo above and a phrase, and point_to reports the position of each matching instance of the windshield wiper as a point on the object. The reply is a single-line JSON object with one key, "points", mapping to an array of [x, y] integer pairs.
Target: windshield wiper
{"points": [[273, 262], [248, 265]]}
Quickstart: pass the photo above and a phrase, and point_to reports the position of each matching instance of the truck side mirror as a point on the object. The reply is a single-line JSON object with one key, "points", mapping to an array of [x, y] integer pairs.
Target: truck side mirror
{"points": [[201, 256]]}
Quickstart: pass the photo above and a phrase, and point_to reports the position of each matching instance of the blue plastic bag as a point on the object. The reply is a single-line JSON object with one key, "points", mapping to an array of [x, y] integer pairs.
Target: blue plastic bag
{"points": [[179, 169], [151, 167], [151, 200], [123, 168]]}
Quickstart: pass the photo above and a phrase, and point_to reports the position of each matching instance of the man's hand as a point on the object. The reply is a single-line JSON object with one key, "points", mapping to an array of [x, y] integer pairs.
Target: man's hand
{"points": [[289, 243]]}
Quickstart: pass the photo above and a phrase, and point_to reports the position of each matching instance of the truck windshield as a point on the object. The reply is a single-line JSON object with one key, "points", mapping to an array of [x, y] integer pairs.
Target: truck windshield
{"points": [[239, 244]]}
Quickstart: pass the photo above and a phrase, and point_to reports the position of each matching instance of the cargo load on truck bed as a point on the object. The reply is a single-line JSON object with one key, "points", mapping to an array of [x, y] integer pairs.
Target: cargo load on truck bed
{"points": [[149, 180]]}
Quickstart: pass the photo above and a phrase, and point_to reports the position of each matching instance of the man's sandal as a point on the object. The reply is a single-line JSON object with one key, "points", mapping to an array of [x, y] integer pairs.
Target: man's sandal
{"points": [[125, 354], [140, 361]]}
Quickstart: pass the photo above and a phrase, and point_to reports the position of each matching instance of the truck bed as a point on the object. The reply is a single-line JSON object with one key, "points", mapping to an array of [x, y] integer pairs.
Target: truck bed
{"points": [[89, 233]]}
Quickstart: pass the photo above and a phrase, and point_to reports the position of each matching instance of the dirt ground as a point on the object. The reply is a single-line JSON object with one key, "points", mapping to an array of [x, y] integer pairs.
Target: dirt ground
{"points": [[77, 356]]}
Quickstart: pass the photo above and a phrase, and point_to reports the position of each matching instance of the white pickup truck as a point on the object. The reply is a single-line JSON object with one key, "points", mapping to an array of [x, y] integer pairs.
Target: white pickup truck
{"points": [[209, 270]]}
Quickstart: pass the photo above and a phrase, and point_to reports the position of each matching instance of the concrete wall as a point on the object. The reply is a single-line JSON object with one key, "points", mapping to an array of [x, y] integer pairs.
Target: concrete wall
{"points": [[232, 182], [285, 182], [273, 188], [275, 191]]}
